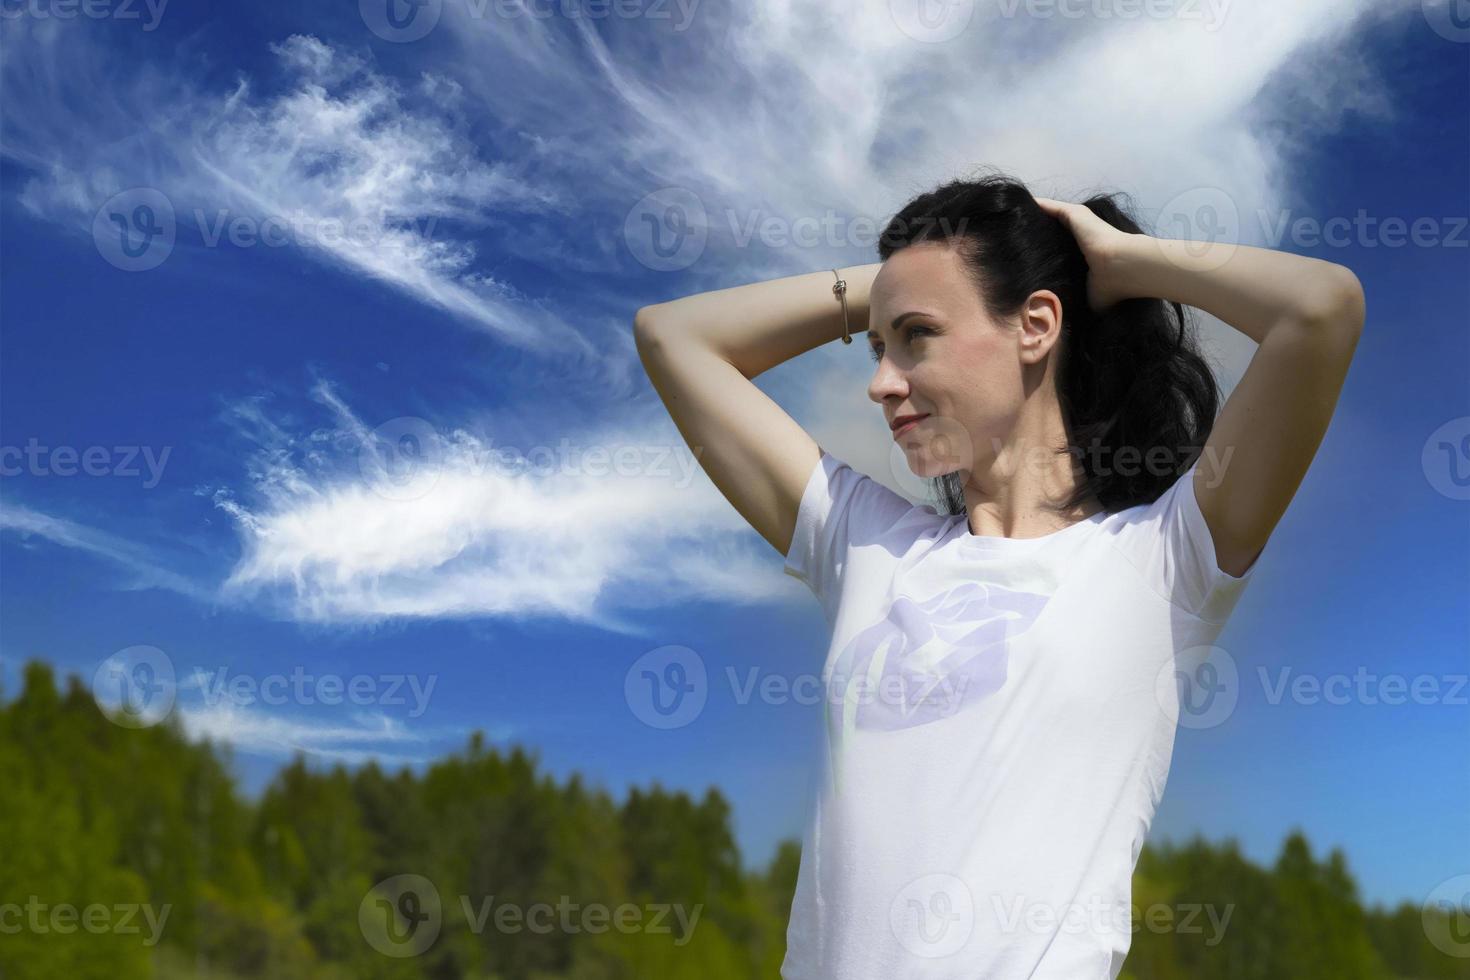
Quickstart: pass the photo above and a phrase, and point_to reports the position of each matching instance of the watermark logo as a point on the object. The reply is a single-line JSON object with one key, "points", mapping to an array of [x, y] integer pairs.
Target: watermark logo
{"points": [[401, 916], [400, 21], [218, 686], [667, 229], [938, 446], [135, 229], [933, 916], [138, 687], [405, 457], [1446, 917], [1104, 916], [1446, 459], [1199, 688], [670, 228], [1209, 224], [310, 230], [402, 458], [1210, 13], [935, 21], [1202, 217], [135, 687], [932, 21], [1450, 19], [667, 687]]}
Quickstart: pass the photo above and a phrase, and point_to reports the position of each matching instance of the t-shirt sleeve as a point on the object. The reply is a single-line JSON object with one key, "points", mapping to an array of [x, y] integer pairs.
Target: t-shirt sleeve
{"points": [[1173, 547], [839, 508]]}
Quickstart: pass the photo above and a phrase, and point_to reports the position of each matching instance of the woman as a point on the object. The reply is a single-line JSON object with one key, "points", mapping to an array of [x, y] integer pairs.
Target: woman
{"points": [[1002, 668]]}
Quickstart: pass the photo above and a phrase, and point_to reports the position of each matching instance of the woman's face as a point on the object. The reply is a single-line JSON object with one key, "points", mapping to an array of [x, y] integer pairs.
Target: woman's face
{"points": [[948, 359]]}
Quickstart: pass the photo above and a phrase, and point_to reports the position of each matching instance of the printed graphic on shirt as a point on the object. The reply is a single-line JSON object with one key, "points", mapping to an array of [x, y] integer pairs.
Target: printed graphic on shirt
{"points": [[926, 660]]}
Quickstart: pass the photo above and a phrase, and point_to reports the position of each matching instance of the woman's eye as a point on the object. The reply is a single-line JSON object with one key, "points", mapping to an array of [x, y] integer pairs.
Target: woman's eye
{"points": [[911, 332]]}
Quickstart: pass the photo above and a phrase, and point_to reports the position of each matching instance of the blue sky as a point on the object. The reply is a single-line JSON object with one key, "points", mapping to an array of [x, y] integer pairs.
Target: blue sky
{"points": [[385, 253]]}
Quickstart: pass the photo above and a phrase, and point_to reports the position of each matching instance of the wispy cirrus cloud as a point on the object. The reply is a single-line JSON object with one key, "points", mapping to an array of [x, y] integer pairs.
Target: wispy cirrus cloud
{"points": [[365, 736], [347, 164], [350, 523], [144, 569], [340, 522], [780, 111]]}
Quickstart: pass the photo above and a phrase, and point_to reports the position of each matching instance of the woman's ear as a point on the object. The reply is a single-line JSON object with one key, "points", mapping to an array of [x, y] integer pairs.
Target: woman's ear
{"points": [[1041, 324]]}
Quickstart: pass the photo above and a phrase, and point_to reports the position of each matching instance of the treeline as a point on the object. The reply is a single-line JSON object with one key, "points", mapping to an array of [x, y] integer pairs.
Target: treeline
{"points": [[1299, 919], [128, 853]]}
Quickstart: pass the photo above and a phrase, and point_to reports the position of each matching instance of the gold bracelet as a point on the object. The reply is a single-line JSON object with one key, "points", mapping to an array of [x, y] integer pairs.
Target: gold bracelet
{"points": [[840, 288]]}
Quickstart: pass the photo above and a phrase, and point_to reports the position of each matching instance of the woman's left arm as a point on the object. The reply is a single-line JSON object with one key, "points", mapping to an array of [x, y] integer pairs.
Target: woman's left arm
{"points": [[1305, 314]]}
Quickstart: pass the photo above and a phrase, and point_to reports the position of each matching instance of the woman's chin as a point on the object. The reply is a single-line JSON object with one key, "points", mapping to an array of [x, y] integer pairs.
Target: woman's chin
{"points": [[937, 447], [925, 464]]}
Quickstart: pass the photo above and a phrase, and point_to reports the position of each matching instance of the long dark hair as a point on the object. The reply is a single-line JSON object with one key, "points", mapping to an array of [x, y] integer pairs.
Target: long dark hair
{"points": [[1131, 377]]}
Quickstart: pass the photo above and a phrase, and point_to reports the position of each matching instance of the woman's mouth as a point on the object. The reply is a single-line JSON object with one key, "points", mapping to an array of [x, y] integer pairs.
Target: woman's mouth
{"points": [[907, 423]]}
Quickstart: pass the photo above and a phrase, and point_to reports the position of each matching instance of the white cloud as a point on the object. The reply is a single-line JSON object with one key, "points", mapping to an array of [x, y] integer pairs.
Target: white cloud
{"points": [[803, 107], [250, 729], [145, 570], [343, 163], [347, 524], [357, 525]]}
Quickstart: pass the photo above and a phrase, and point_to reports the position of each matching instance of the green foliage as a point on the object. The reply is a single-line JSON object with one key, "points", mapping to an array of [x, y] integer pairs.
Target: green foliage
{"points": [[1299, 919], [535, 879], [59, 852]]}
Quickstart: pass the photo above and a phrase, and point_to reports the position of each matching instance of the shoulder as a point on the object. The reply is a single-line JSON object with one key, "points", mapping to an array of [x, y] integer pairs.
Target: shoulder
{"points": [[871, 501], [843, 509], [1171, 545]]}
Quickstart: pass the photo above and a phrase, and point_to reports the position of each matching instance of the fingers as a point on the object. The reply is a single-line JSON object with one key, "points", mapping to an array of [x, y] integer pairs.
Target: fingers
{"points": [[1057, 209]]}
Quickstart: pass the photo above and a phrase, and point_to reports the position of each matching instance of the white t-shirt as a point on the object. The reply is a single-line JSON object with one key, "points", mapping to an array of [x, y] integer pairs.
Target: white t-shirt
{"points": [[1000, 722]]}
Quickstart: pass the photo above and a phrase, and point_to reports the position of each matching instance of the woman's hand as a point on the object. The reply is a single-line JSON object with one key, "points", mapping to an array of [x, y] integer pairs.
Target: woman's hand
{"points": [[1102, 246]]}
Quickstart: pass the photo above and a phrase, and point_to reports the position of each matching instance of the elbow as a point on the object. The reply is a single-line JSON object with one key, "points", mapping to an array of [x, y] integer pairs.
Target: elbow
{"points": [[1338, 307], [644, 338], [1352, 308], [644, 317]]}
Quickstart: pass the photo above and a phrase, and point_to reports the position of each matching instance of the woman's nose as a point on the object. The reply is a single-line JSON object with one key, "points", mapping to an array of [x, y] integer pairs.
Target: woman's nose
{"points": [[887, 380]]}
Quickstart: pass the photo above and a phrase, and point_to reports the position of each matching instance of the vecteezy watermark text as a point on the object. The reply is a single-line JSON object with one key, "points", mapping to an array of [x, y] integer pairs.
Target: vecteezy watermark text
{"points": [[1099, 916], [148, 11], [302, 688], [403, 458], [137, 687], [136, 230], [403, 21], [1364, 687], [64, 918], [667, 229], [402, 916], [668, 687], [36, 459]]}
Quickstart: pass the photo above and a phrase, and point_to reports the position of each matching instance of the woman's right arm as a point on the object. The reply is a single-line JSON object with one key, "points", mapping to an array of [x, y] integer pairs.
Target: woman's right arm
{"points": [[701, 353]]}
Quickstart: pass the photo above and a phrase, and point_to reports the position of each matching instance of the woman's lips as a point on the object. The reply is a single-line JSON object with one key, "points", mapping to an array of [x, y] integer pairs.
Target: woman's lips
{"points": [[908, 425]]}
